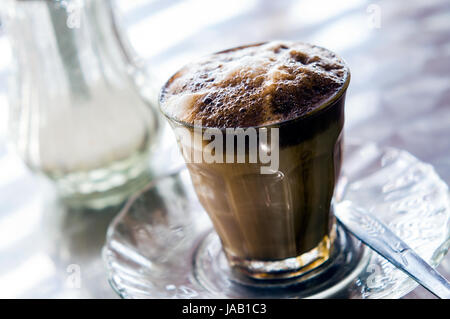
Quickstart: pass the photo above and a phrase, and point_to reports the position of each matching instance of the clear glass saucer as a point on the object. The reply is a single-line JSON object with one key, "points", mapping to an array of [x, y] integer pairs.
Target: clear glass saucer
{"points": [[162, 244]]}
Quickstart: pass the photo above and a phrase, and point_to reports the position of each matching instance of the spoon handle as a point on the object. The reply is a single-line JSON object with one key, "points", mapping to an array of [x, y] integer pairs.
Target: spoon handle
{"points": [[380, 238]]}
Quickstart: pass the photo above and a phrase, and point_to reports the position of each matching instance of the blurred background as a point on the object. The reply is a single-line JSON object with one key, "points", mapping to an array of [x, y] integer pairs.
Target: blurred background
{"points": [[95, 68]]}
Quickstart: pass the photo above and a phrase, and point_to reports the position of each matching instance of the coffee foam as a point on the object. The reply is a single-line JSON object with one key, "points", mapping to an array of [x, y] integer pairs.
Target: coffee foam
{"points": [[254, 85]]}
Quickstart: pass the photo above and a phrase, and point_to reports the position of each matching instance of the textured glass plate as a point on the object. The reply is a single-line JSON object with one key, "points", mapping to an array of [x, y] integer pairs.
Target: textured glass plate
{"points": [[162, 246]]}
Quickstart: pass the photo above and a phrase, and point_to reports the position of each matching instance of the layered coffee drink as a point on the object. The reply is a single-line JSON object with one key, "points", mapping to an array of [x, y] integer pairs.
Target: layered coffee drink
{"points": [[270, 200]]}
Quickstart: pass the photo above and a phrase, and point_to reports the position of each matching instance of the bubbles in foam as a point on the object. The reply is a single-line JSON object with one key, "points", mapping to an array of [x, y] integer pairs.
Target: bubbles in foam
{"points": [[254, 85]]}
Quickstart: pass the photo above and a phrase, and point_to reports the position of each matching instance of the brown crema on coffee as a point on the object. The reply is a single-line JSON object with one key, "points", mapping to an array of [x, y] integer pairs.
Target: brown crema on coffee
{"points": [[254, 85]]}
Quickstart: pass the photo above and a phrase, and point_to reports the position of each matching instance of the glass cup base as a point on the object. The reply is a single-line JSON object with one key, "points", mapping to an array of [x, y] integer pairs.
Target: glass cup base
{"points": [[285, 268], [214, 273]]}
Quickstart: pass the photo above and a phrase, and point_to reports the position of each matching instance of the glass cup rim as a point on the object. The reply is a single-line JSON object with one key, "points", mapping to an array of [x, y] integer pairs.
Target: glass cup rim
{"points": [[325, 104]]}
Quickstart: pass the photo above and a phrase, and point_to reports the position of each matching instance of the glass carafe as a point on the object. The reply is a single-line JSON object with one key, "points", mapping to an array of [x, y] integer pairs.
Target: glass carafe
{"points": [[76, 112]]}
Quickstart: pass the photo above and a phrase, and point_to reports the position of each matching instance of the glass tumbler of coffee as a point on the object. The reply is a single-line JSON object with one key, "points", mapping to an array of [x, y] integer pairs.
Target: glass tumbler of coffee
{"points": [[260, 128]]}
